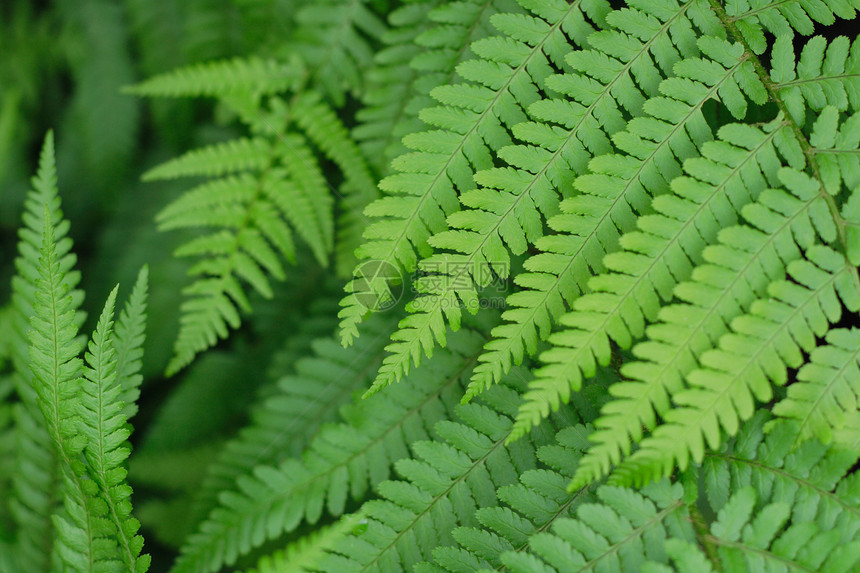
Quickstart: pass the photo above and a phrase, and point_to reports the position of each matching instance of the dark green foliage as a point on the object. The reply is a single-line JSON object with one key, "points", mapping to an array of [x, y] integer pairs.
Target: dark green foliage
{"points": [[596, 264]]}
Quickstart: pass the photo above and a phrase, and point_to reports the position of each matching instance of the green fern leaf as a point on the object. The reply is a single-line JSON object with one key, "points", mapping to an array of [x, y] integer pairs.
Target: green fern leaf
{"points": [[453, 27], [296, 194], [36, 462], [814, 477], [826, 74], [54, 346], [713, 188], [342, 462], [676, 339], [390, 86], [446, 485], [106, 431], [782, 19], [129, 335], [721, 82], [556, 277], [335, 38], [821, 504], [827, 387], [532, 505], [223, 78], [326, 131], [54, 349], [308, 398], [617, 534], [764, 343], [836, 156], [277, 182], [661, 252], [511, 69], [304, 555], [218, 159]]}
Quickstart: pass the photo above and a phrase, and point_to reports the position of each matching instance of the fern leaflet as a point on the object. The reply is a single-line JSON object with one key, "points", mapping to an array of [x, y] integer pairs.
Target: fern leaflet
{"points": [[342, 462], [471, 125]]}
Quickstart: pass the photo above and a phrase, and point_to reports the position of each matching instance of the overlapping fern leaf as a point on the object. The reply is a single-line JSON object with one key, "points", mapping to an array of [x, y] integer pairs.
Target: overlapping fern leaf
{"points": [[795, 505], [34, 481], [105, 430], [605, 203], [424, 43], [335, 38], [687, 199], [620, 530], [722, 392], [770, 338], [305, 555], [448, 484], [290, 415], [264, 188], [768, 507], [342, 463], [469, 127], [390, 86], [78, 432], [504, 212], [692, 209], [653, 258]]}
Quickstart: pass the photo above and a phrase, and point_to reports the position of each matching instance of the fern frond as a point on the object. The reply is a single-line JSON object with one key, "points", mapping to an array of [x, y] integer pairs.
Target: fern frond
{"points": [[763, 344], [335, 38], [303, 195], [105, 428], [424, 44], [444, 486], [782, 19], [35, 484], [129, 336], [619, 533], [752, 532], [54, 349], [836, 155], [702, 202], [304, 555], [34, 490], [815, 482], [736, 271], [827, 387], [80, 422], [292, 413], [712, 390], [390, 86], [277, 184], [615, 191], [825, 75], [343, 461], [325, 130], [818, 477], [214, 160], [532, 505], [225, 78], [658, 255], [471, 123]]}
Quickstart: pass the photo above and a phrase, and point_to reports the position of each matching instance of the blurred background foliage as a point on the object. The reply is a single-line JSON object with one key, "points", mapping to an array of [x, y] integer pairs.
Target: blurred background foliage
{"points": [[62, 66]]}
